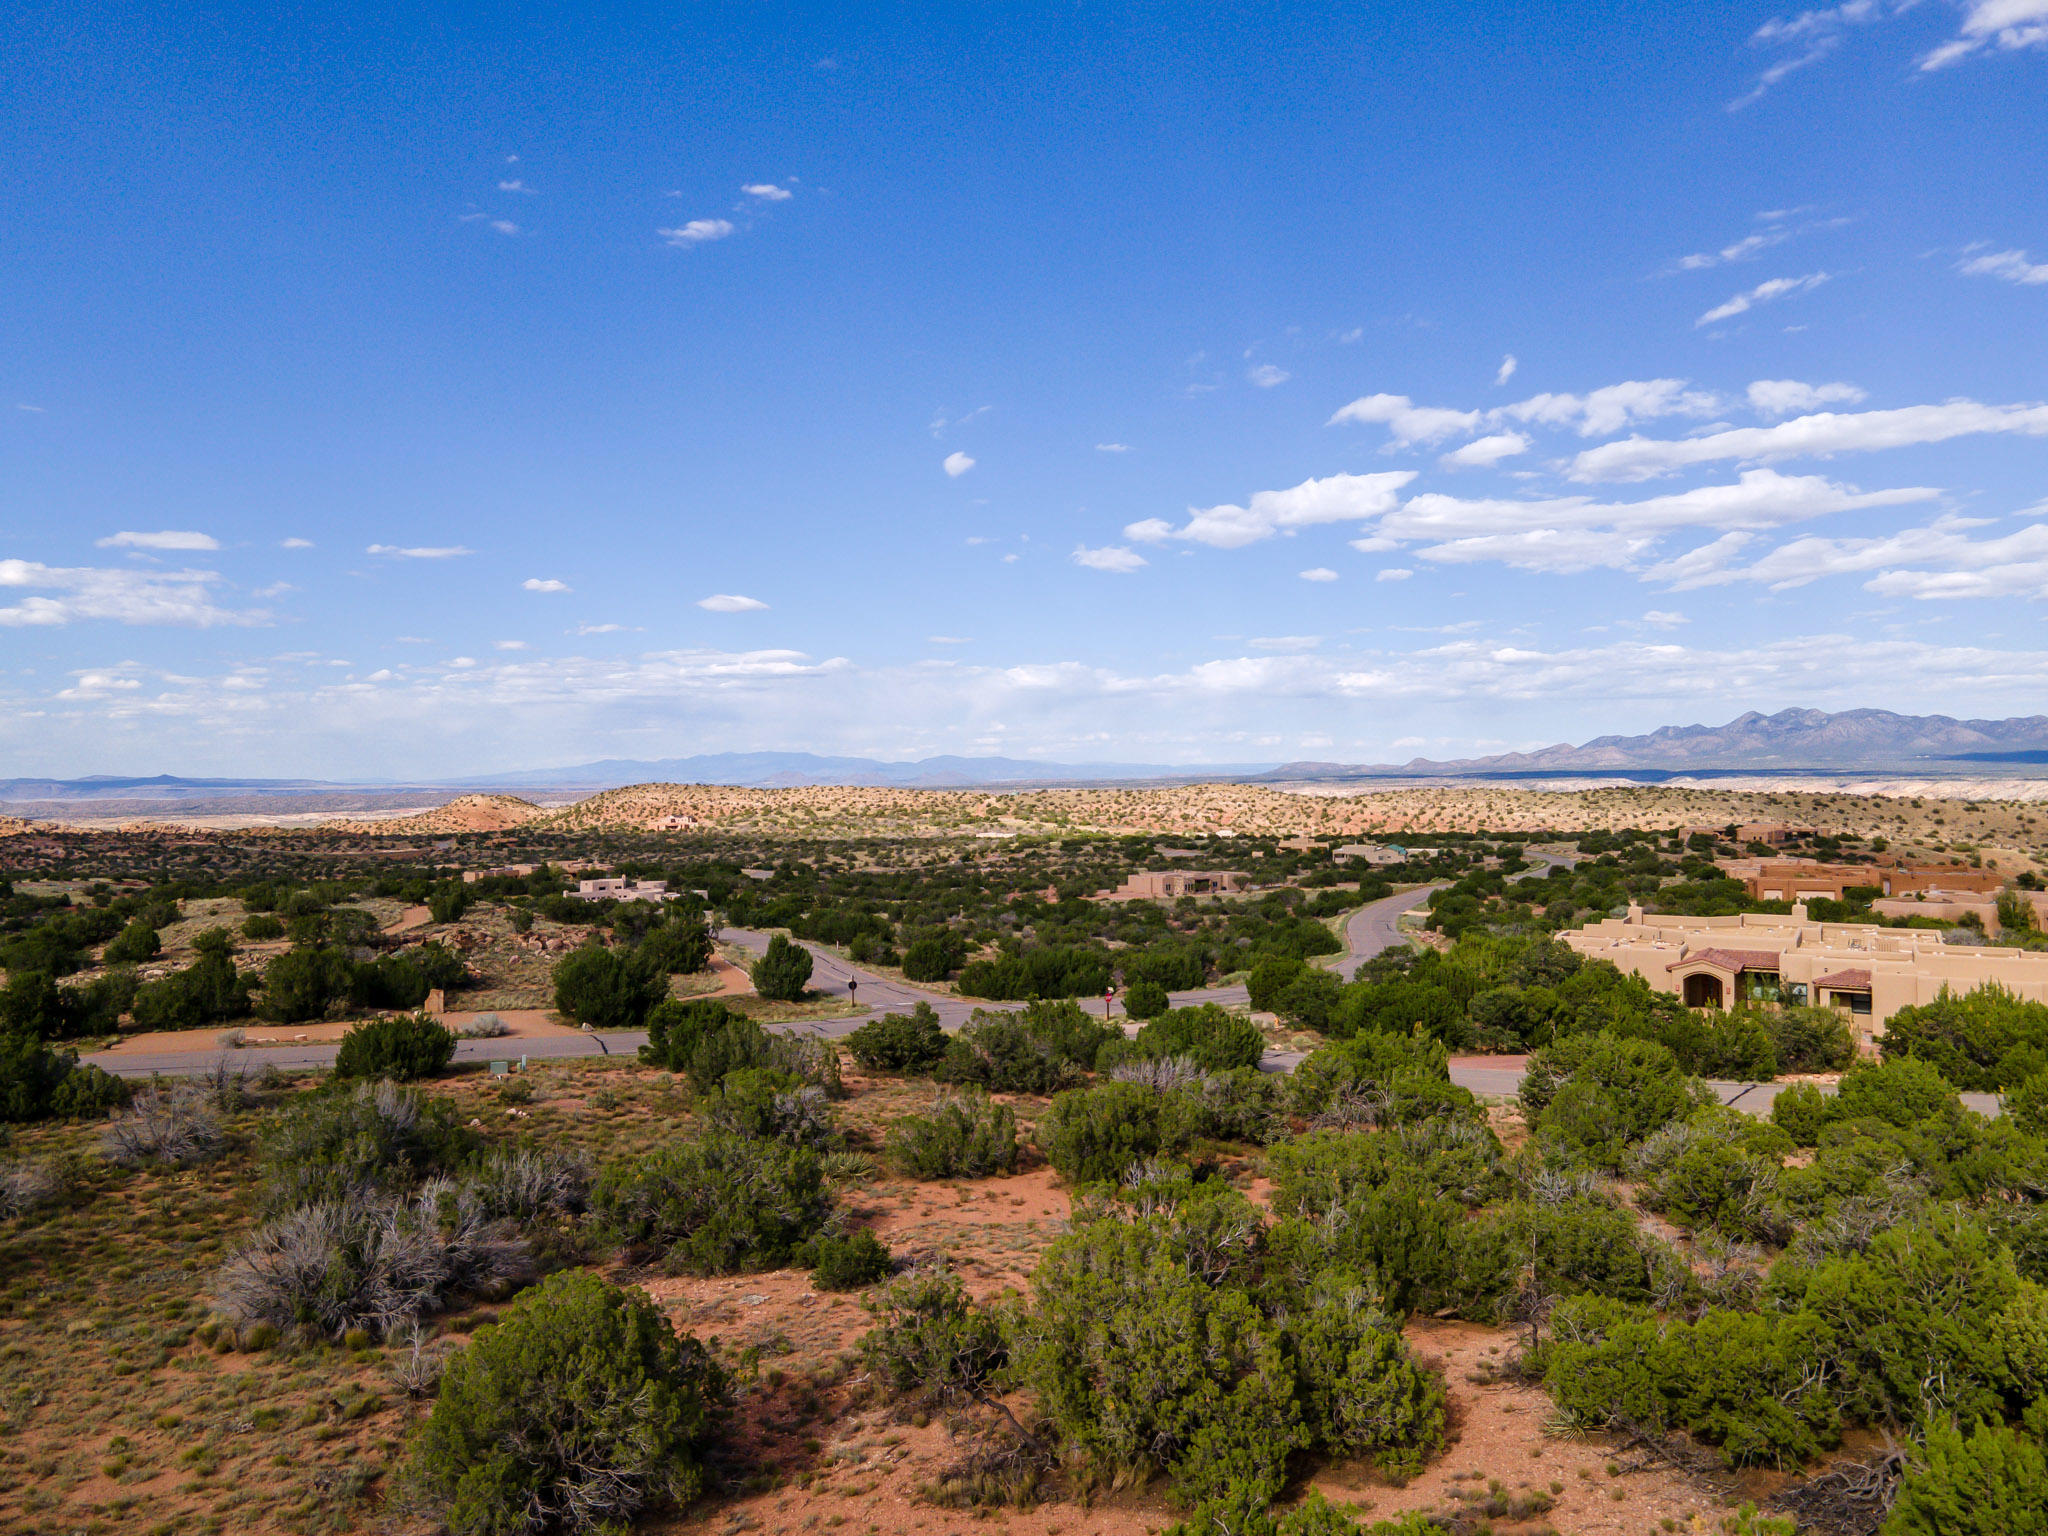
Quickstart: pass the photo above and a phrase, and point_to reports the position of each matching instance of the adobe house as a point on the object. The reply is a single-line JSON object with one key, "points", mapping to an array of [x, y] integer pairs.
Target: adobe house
{"points": [[1166, 884], [1868, 972]]}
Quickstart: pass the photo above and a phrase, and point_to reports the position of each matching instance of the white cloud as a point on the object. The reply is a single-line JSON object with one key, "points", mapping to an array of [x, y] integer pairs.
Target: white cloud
{"points": [[2008, 25], [1285, 642], [597, 629], [1611, 407], [1112, 447], [1406, 421], [515, 186], [1787, 397], [696, 232], [731, 602], [1746, 248], [948, 640], [1110, 557], [462, 663], [1506, 371], [1394, 573], [1826, 432], [1150, 530], [1485, 452], [1660, 618], [168, 539], [505, 226], [2013, 266], [1939, 560], [1763, 293], [295, 544], [1319, 573], [509, 645], [73, 594], [1266, 375], [98, 684], [767, 192], [957, 464], [544, 584], [1333, 499], [439, 552]]}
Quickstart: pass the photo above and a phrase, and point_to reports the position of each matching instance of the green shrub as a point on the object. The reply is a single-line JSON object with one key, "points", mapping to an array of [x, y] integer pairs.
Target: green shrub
{"points": [[933, 956], [2026, 1105], [1811, 1039], [261, 925], [389, 981], [1323, 1169], [607, 990], [1595, 1095], [966, 1136], [1979, 1041], [35, 1007], [1094, 1134], [138, 941], [1145, 998], [1211, 1036], [722, 1205], [930, 1343], [38, 1083], [1153, 1343], [1800, 1110], [377, 1138], [1990, 1482], [1040, 1048], [912, 1042], [301, 983], [577, 1412], [1902, 1091], [783, 973], [682, 945], [734, 1044], [847, 1262], [676, 1025], [404, 1049], [208, 991]]}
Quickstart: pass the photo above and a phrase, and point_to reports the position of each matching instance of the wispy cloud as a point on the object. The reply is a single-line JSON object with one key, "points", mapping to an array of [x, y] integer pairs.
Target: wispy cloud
{"points": [[1820, 434], [1767, 292], [696, 232], [2007, 25], [767, 192], [169, 539], [2012, 266], [948, 640], [1266, 376], [1333, 499], [1506, 371], [73, 594], [502, 226], [1406, 422], [1485, 452], [1790, 397], [731, 602], [1319, 573], [294, 543], [1394, 573], [1112, 447], [957, 464], [516, 186], [1114, 558], [419, 552], [544, 584]]}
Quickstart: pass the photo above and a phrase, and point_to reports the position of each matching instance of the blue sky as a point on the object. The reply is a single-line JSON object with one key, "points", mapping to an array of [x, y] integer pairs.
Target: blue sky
{"points": [[458, 391]]}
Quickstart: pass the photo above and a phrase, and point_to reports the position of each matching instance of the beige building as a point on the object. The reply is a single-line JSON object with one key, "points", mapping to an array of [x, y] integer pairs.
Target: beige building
{"points": [[1804, 879], [1867, 971], [1165, 884], [1377, 854], [618, 888]]}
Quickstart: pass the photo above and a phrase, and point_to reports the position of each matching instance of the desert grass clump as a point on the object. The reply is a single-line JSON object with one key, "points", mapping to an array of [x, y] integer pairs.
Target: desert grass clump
{"points": [[527, 1184], [28, 1186], [369, 1263], [177, 1127], [1162, 1074]]}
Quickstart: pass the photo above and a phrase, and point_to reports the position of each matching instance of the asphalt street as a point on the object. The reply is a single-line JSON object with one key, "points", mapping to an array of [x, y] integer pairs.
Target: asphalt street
{"points": [[1369, 931]]}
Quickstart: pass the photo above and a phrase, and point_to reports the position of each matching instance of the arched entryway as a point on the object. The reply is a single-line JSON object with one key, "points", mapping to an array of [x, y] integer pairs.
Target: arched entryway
{"points": [[1703, 990]]}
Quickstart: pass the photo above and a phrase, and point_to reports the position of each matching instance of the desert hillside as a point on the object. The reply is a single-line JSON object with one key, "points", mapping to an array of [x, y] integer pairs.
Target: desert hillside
{"points": [[468, 813]]}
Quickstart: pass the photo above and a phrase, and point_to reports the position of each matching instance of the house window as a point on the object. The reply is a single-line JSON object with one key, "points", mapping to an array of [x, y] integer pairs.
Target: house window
{"points": [[1859, 1002], [1760, 986], [1795, 993]]}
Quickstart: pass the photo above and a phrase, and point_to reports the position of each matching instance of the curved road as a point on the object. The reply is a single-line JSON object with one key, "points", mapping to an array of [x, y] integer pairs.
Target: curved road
{"points": [[1371, 930]]}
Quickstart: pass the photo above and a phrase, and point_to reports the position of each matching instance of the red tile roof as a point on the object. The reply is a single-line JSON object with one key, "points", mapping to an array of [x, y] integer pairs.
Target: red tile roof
{"points": [[1851, 980], [1731, 959]]}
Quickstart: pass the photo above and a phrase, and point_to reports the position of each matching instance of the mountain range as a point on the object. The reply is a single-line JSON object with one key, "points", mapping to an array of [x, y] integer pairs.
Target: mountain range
{"points": [[1790, 742]]}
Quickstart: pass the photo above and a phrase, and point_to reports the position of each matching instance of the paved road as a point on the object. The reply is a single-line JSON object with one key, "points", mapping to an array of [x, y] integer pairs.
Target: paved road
{"points": [[1369, 931]]}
